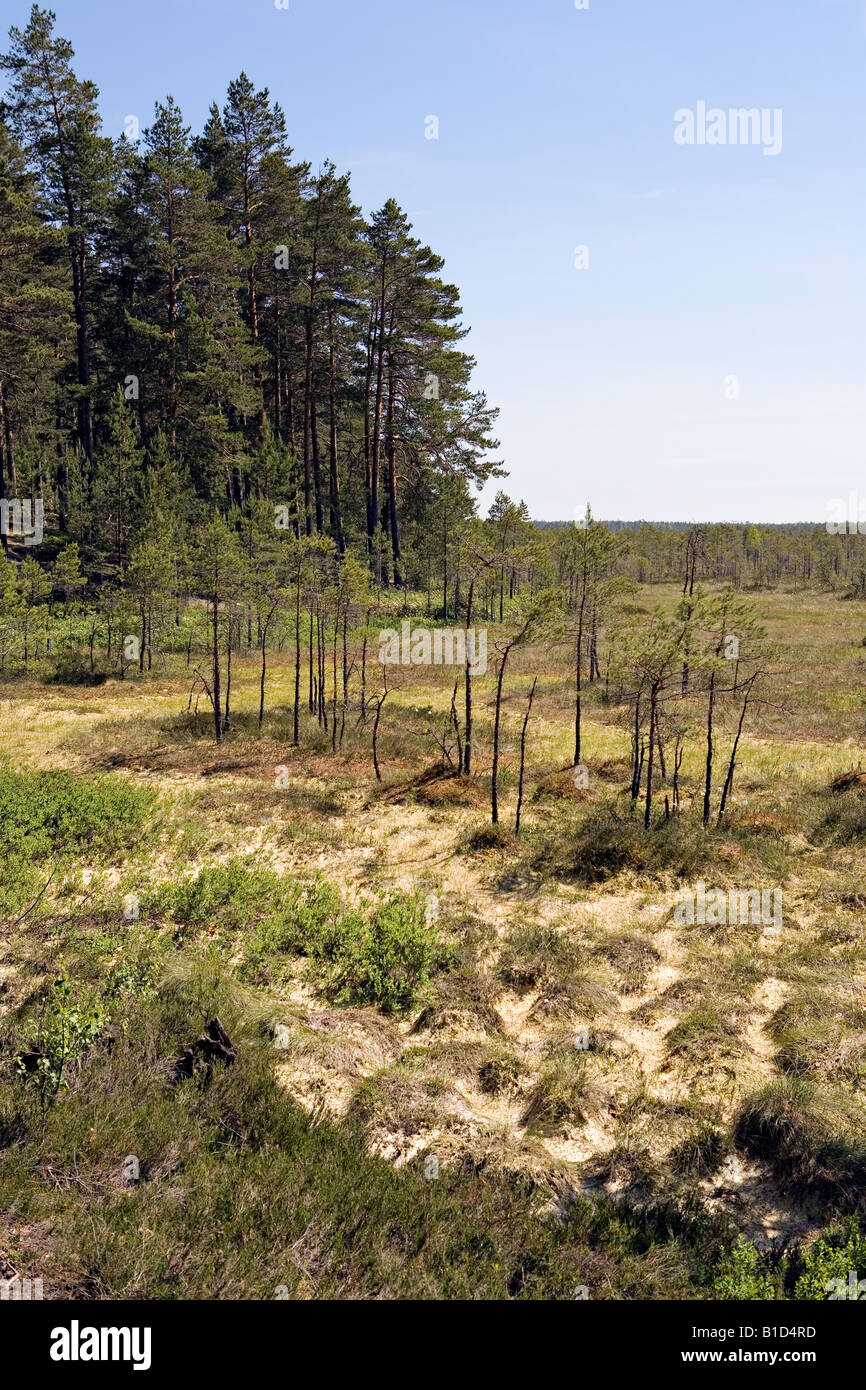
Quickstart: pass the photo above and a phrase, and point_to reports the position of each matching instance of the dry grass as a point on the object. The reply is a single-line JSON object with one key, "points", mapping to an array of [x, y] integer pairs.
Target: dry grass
{"points": [[570, 928]]}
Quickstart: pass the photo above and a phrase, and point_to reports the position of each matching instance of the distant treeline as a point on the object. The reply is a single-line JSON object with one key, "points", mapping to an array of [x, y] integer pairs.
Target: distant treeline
{"points": [[684, 525], [743, 555]]}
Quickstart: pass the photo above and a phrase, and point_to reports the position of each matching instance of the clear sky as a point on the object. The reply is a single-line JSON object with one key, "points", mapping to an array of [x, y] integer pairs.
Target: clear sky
{"points": [[707, 262]]}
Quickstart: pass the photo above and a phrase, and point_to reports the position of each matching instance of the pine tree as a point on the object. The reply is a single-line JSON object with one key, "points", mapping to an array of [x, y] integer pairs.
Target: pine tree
{"points": [[55, 117], [418, 403], [333, 258], [117, 486], [241, 150], [34, 308]]}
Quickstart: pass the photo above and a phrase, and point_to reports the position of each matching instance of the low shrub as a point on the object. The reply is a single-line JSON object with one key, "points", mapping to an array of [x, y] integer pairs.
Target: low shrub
{"points": [[391, 957], [242, 1195], [828, 1264], [382, 952], [55, 813], [73, 667], [745, 1274]]}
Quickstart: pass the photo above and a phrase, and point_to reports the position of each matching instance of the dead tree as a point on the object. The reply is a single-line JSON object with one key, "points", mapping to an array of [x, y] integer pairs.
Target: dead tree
{"points": [[523, 758], [379, 703]]}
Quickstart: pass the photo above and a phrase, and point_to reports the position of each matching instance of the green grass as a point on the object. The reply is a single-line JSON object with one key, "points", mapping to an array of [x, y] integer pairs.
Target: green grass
{"points": [[821, 1031], [700, 1153], [564, 1096], [704, 1033], [844, 818]]}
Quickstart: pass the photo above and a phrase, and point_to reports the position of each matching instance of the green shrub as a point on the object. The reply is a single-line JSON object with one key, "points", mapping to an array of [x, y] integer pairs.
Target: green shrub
{"points": [[822, 1271], [380, 953], [70, 1023], [72, 667], [52, 813], [745, 1274], [392, 957], [225, 895], [833, 1257]]}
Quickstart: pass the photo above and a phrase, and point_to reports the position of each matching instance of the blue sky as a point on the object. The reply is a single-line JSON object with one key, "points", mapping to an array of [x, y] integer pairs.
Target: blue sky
{"points": [[556, 130]]}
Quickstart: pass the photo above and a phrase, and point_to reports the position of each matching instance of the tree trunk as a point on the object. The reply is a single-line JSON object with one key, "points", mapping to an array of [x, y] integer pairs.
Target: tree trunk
{"points": [[334, 497], [379, 703], [82, 340], [678, 762], [310, 700], [392, 487], [368, 453], [523, 759], [494, 776], [377, 418], [467, 698], [709, 772], [455, 723], [308, 404], [636, 764], [729, 780], [217, 707], [227, 719], [647, 816], [578, 661]]}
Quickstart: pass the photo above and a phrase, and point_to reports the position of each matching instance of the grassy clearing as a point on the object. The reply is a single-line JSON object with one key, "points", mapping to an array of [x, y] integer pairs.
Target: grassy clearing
{"points": [[404, 983]]}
